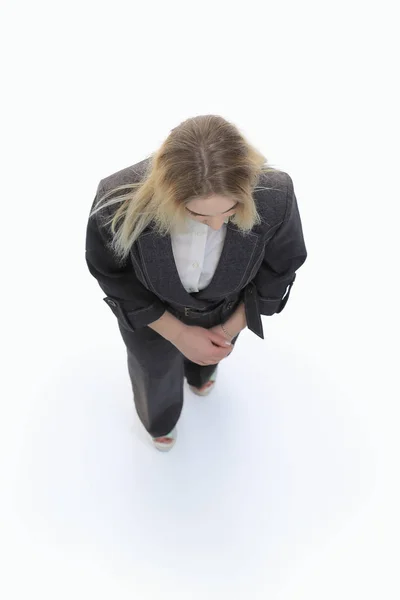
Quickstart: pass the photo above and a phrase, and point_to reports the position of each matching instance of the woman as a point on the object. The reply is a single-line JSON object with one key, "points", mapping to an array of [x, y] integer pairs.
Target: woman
{"points": [[190, 246]]}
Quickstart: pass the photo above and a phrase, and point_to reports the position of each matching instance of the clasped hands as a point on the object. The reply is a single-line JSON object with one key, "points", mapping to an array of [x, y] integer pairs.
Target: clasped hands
{"points": [[204, 346]]}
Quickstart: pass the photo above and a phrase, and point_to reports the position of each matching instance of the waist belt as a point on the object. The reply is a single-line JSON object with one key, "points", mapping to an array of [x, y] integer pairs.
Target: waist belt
{"points": [[252, 309]]}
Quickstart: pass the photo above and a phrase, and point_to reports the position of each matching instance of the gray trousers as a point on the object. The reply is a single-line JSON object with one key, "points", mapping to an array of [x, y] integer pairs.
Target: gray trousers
{"points": [[157, 369]]}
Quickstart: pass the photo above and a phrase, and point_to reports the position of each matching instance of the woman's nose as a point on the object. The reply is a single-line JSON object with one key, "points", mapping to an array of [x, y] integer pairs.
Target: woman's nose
{"points": [[217, 224]]}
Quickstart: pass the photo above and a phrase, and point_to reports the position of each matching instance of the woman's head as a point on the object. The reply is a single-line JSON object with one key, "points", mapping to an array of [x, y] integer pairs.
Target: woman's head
{"points": [[205, 170]]}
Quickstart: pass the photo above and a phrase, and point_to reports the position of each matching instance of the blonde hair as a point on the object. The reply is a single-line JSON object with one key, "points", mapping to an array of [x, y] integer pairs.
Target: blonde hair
{"points": [[202, 156]]}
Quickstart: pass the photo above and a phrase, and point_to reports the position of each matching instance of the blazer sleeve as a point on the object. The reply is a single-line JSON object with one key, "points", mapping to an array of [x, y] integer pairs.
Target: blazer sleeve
{"points": [[284, 253], [134, 305]]}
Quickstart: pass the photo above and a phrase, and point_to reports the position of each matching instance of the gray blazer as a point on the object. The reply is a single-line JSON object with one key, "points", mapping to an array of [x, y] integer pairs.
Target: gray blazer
{"points": [[258, 267]]}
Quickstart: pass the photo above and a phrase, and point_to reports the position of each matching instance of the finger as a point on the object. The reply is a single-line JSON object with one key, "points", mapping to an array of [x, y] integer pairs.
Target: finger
{"points": [[222, 354]]}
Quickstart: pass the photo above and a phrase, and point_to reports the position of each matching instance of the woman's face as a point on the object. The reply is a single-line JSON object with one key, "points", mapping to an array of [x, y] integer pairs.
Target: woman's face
{"points": [[212, 211]]}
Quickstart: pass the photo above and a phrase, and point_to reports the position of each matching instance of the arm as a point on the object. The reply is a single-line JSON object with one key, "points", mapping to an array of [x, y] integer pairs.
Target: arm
{"points": [[168, 326], [235, 323], [284, 253], [133, 304]]}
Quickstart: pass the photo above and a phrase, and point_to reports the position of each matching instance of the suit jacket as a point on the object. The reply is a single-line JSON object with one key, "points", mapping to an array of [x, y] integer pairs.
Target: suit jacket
{"points": [[258, 267]]}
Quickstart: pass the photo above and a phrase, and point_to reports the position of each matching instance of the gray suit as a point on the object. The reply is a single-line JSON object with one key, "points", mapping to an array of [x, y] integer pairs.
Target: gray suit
{"points": [[258, 268]]}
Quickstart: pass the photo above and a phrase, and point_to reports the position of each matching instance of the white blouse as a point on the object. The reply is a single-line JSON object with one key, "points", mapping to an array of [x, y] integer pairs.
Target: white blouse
{"points": [[196, 253]]}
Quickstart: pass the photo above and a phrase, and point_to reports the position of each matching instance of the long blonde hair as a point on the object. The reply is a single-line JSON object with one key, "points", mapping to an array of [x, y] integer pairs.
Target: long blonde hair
{"points": [[202, 156]]}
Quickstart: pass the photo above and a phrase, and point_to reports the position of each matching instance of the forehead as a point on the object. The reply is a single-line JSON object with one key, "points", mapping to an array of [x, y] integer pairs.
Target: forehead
{"points": [[213, 205]]}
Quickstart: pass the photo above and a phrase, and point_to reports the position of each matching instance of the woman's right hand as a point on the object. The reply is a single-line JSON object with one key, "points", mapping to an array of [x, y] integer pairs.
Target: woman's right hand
{"points": [[202, 346]]}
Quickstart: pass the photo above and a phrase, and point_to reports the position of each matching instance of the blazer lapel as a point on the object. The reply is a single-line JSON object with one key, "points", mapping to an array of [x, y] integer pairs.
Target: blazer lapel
{"points": [[239, 253]]}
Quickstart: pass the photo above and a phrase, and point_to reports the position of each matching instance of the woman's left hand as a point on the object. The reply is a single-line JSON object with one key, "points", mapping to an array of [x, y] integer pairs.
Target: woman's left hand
{"points": [[218, 329]]}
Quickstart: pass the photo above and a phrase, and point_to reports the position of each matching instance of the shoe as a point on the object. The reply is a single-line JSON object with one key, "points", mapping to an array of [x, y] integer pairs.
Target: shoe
{"points": [[165, 442], [207, 387]]}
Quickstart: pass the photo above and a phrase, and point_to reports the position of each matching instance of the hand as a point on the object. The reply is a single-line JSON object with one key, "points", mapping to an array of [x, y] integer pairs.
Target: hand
{"points": [[202, 346], [218, 329]]}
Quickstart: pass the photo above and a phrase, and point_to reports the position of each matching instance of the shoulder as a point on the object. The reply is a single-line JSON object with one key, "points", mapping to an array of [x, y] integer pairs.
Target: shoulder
{"points": [[271, 196], [127, 175]]}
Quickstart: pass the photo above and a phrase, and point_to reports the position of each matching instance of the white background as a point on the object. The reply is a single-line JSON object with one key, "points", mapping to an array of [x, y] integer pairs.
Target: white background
{"points": [[283, 483]]}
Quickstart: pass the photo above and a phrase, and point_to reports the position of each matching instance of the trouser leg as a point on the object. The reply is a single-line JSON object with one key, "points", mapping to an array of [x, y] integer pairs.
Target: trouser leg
{"points": [[155, 369]]}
